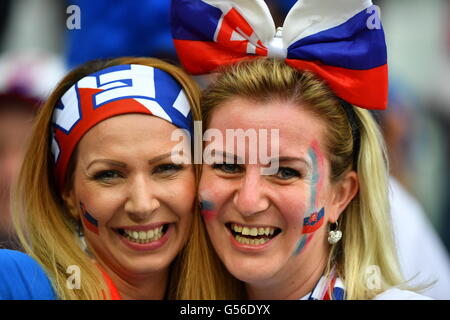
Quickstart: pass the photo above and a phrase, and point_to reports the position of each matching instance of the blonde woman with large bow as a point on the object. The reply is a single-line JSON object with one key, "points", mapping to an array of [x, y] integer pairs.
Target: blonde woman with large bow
{"points": [[317, 228]]}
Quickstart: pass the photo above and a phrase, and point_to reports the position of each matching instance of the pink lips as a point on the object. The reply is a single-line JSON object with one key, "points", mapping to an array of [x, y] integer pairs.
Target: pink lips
{"points": [[147, 246]]}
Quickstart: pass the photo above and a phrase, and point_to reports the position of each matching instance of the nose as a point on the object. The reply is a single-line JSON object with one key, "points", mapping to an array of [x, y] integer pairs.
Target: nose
{"points": [[141, 201], [251, 197]]}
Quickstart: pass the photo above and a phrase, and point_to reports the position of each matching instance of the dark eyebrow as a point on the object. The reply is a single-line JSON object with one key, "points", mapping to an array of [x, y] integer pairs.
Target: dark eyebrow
{"points": [[287, 159], [123, 165], [160, 157], [108, 161]]}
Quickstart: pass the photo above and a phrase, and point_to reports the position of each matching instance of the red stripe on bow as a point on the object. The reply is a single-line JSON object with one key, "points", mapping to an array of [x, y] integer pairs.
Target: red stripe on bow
{"points": [[364, 88], [200, 57]]}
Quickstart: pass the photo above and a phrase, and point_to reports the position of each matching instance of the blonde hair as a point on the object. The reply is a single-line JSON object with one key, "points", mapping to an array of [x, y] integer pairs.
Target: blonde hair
{"points": [[365, 223], [47, 229]]}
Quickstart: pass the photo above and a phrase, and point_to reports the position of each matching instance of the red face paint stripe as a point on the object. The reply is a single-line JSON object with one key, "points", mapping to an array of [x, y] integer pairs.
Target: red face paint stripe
{"points": [[89, 221]]}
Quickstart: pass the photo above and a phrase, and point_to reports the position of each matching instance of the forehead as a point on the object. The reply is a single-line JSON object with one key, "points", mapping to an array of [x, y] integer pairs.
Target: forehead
{"points": [[129, 133], [298, 128]]}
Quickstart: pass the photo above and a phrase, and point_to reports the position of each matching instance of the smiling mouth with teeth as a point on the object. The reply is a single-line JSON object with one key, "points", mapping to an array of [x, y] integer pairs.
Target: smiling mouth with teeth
{"points": [[144, 237], [252, 235]]}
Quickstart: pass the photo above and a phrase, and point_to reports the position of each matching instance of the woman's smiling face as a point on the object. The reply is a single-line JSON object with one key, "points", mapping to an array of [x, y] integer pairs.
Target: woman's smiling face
{"points": [[263, 226], [136, 204]]}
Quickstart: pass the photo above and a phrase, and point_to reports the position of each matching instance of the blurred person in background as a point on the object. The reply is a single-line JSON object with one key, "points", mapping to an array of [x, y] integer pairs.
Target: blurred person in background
{"points": [[16, 116], [418, 243], [25, 78]]}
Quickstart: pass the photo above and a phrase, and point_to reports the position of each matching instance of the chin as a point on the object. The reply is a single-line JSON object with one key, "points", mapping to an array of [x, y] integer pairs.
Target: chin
{"points": [[148, 266], [251, 270]]}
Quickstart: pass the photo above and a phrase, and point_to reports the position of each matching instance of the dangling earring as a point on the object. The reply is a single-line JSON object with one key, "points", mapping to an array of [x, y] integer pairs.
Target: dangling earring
{"points": [[334, 235], [80, 233]]}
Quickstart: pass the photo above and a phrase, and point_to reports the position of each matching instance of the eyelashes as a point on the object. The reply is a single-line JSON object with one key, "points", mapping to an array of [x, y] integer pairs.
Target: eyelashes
{"points": [[166, 170], [286, 173], [228, 168], [107, 175], [283, 173]]}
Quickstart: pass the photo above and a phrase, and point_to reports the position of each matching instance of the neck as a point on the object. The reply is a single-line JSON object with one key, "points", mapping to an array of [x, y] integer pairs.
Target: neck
{"points": [[149, 287], [295, 280]]}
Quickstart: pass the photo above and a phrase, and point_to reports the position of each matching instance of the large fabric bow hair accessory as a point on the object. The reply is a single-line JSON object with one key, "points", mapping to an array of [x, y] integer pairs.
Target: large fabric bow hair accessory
{"points": [[342, 41]]}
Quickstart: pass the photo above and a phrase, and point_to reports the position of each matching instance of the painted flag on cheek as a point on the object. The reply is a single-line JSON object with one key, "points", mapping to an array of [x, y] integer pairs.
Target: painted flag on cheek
{"points": [[207, 209], [88, 220], [313, 222]]}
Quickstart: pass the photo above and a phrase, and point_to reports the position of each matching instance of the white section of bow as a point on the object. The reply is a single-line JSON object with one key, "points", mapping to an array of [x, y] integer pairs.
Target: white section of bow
{"points": [[305, 18]]}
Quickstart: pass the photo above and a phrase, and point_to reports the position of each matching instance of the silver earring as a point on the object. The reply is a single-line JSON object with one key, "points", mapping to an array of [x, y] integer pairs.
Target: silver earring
{"points": [[334, 235]]}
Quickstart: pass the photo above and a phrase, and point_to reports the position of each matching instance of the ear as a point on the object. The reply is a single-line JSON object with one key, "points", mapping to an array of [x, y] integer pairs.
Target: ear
{"points": [[343, 192], [71, 203]]}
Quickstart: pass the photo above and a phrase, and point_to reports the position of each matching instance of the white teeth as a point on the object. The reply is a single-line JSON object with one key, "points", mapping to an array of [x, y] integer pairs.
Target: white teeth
{"points": [[252, 242], [252, 231], [144, 236]]}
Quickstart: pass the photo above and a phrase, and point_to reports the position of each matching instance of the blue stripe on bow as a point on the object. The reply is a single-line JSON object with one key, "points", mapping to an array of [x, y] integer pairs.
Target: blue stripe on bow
{"points": [[351, 45], [194, 20]]}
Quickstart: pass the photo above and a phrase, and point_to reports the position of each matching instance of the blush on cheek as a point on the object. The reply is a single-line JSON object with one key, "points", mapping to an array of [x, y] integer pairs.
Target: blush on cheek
{"points": [[207, 209], [89, 221]]}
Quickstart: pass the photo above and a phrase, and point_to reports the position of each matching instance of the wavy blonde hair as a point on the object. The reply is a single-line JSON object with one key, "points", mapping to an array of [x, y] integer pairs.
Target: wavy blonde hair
{"points": [[47, 229], [365, 223]]}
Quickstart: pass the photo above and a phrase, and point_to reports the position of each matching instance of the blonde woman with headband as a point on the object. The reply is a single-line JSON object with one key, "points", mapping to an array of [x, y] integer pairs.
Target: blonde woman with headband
{"points": [[101, 199], [317, 227]]}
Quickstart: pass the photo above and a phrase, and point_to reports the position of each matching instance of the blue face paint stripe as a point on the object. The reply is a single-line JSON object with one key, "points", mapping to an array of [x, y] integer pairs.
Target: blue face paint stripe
{"points": [[89, 221], [301, 245], [90, 218], [206, 205]]}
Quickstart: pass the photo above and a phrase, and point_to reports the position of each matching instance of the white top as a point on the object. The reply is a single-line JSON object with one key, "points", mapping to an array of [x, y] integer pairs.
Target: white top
{"points": [[397, 294], [420, 250]]}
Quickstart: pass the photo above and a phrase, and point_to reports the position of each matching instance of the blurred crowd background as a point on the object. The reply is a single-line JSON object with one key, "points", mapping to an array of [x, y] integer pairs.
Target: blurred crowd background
{"points": [[40, 40]]}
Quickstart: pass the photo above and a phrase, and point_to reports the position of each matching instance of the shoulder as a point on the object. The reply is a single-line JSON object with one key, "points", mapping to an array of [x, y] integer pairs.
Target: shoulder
{"points": [[398, 294], [22, 278]]}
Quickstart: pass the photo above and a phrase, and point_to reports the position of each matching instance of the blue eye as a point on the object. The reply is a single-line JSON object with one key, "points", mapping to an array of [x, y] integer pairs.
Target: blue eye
{"points": [[107, 175], [287, 173], [167, 168], [228, 168]]}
